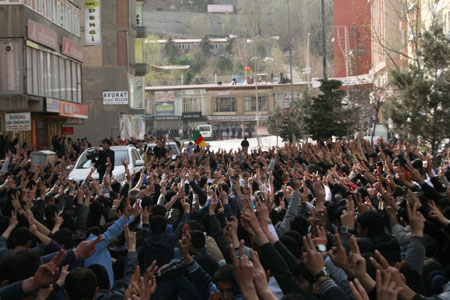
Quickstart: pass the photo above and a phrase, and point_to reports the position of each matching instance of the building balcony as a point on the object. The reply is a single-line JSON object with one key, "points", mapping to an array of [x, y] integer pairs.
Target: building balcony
{"points": [[141, 32], [140, 69]]}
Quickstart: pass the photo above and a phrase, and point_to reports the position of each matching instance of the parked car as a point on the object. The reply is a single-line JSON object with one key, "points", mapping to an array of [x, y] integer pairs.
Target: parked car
{"points": [[129, 153], [173, 146], [206, 131]]}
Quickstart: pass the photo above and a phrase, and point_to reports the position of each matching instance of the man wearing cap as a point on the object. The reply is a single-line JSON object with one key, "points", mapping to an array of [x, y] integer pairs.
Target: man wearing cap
{"points": [[105, 157]]}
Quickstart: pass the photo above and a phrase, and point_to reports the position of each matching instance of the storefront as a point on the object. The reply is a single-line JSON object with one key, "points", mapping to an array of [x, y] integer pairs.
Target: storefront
{"points": [[225, 125], [57, 120], [193, 119]]}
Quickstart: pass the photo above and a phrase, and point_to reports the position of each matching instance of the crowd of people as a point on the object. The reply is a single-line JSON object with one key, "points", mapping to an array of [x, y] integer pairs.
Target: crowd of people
{"points": [[328, 220]]}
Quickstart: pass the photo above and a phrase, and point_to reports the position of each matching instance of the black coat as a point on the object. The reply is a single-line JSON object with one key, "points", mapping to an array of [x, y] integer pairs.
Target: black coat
{"points": [[102, 159]]}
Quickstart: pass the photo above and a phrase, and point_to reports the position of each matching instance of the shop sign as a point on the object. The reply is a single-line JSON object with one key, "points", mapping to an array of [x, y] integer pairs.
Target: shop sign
{"points": [[73, 110], [164, 109], [41, 34], [67, 130], [52, 105], [18, 122], [71, 49], [92, 22], [115, 98], [223, 93], [236, 118], [167, 118], [164, 97], [192, 115]]}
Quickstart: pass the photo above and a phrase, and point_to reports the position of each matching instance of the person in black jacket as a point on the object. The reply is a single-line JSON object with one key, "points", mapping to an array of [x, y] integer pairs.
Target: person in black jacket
{"points": [[160, 149], [245, 144], [105, 156]]}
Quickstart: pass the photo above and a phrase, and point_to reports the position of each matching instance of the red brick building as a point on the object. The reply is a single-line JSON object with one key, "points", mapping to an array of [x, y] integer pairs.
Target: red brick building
{"points": [[352, 37]]}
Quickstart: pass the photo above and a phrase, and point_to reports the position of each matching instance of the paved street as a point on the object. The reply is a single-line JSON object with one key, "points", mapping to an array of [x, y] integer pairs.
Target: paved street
{"points": [[266, 143]]}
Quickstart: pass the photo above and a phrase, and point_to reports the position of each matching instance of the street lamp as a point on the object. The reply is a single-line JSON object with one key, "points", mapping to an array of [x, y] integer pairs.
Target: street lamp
{"points": [[255, 58]]}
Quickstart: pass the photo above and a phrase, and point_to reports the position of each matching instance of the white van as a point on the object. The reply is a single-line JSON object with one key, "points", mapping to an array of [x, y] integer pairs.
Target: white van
{"points": [[206, 131]]}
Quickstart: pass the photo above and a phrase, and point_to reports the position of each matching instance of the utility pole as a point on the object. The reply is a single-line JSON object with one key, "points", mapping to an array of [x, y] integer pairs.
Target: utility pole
{"points": [[290, 58], [308, 61], [290, 51], [324, 46], [256, 94]]}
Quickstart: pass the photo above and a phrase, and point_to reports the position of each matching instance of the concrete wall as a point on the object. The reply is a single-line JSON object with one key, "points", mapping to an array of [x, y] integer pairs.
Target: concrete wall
{"points": [[108, 68]]}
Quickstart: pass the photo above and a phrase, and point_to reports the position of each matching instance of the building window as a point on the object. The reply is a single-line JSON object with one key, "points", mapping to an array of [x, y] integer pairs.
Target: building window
{"points": [[50, 75], [55, 69], [62, 13], [250, 103], [74, 83], [79, 82], [29, 71], [35, 66], [192, 104], [62, 78], [225, 104]]}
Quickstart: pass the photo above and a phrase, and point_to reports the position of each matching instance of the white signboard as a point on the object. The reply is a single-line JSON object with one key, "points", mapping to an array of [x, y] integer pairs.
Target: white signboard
{"points": [[115, 98], [92, 22], [18, 122], [220, 8]]}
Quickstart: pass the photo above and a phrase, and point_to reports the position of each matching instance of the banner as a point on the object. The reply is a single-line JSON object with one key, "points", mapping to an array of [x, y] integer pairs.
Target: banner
{"points": [[18, 122], [262, 131], [164, 109], [164, 97], [132, 126], [92, 23], [347, 81]]}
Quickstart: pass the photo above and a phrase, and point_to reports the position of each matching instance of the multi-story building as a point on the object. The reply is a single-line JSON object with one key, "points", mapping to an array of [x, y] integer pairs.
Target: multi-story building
{"points": [[113, 70], [224, 106], [218, 45], [389, 35], [40, 69], [352, 38]]}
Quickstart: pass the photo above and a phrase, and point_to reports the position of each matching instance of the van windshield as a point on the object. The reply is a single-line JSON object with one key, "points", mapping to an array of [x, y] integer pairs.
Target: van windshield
{"points": [[204, 128]]}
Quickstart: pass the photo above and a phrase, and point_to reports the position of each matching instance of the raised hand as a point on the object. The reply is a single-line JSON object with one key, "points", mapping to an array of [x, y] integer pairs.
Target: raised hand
{"points": [[243, 272], [387, 288], [348, 215], [416, 221], [130, 238], [436, 214], [312, 258], [87, 248], [358, 290], [48, 273], [337, 253]]}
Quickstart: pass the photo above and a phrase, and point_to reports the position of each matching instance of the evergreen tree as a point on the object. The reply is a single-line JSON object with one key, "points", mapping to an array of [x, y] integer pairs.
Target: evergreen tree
{"points": [[171, 51], [275, 122], [327, 116], [205, 45], [421, 109], [289, 125]]}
